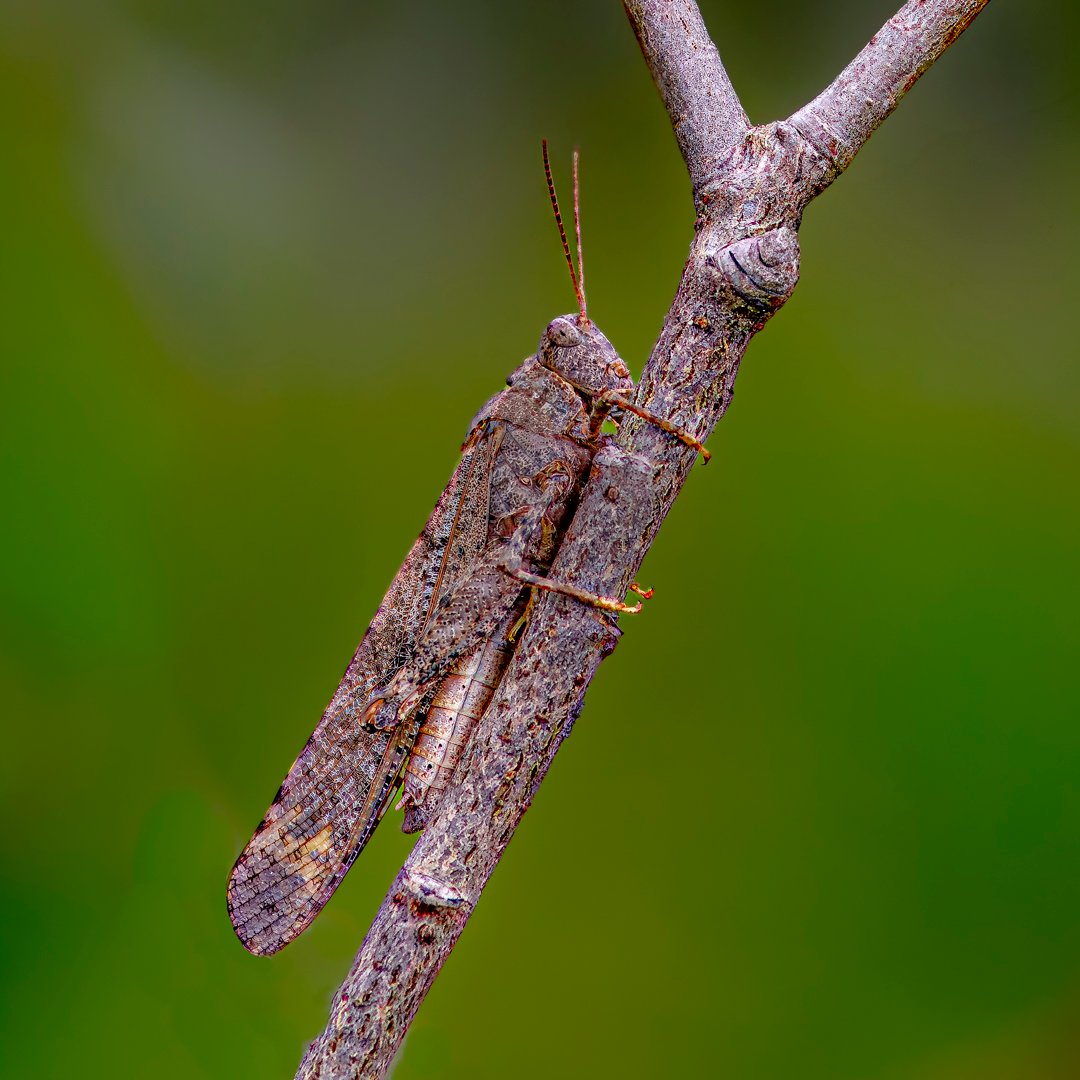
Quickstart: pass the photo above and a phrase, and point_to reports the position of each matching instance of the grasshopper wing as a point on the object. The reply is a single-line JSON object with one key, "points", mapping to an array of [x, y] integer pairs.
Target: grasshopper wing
{"points": [[336, 791]]}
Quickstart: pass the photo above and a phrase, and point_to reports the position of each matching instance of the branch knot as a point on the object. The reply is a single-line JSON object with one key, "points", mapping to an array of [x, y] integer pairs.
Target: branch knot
{"points": [[430, 891], [761, 270]]}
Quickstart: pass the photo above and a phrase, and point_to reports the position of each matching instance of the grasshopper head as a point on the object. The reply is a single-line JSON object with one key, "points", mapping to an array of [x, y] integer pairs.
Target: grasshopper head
{"points": [[576, 350]]}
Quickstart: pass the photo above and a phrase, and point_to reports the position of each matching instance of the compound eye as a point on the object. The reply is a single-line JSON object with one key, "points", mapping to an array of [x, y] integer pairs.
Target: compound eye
{"points": [[619, 369], [564, 334]]}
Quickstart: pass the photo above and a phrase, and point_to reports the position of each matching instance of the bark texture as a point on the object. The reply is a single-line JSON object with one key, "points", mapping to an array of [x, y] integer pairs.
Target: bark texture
{"points": [[750, 187]]}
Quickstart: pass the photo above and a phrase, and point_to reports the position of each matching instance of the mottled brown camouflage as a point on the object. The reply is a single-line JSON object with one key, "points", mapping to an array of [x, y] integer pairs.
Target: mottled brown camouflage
{"points": [[450, 605]]}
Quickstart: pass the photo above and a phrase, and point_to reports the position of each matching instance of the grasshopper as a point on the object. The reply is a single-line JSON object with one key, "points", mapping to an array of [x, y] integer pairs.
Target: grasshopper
{"points": [[440, 641]]}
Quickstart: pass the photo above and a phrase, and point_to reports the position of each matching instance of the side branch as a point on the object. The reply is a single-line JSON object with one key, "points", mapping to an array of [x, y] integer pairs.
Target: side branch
{"points": [[705, 111], [843, 116]]}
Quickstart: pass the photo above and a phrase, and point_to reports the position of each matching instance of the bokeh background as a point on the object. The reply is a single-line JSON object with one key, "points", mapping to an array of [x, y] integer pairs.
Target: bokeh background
{"points": [[261, 263]]}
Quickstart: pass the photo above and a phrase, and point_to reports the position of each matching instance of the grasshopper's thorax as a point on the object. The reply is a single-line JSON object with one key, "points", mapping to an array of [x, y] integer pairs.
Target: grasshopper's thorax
{"points": [[573, 348]]}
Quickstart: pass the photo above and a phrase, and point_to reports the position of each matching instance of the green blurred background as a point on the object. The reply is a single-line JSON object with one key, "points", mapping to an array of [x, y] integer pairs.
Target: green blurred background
{"points": [[262, 262]]}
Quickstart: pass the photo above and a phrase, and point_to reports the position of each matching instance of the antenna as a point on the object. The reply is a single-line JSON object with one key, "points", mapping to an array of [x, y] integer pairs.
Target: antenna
{"points": [[577, 229], [579, 290]]}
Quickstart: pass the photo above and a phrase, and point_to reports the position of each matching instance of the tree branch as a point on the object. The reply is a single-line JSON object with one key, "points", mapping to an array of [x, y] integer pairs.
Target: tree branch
{"points": [[750, 188], [705, 110], [844, 115]]}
